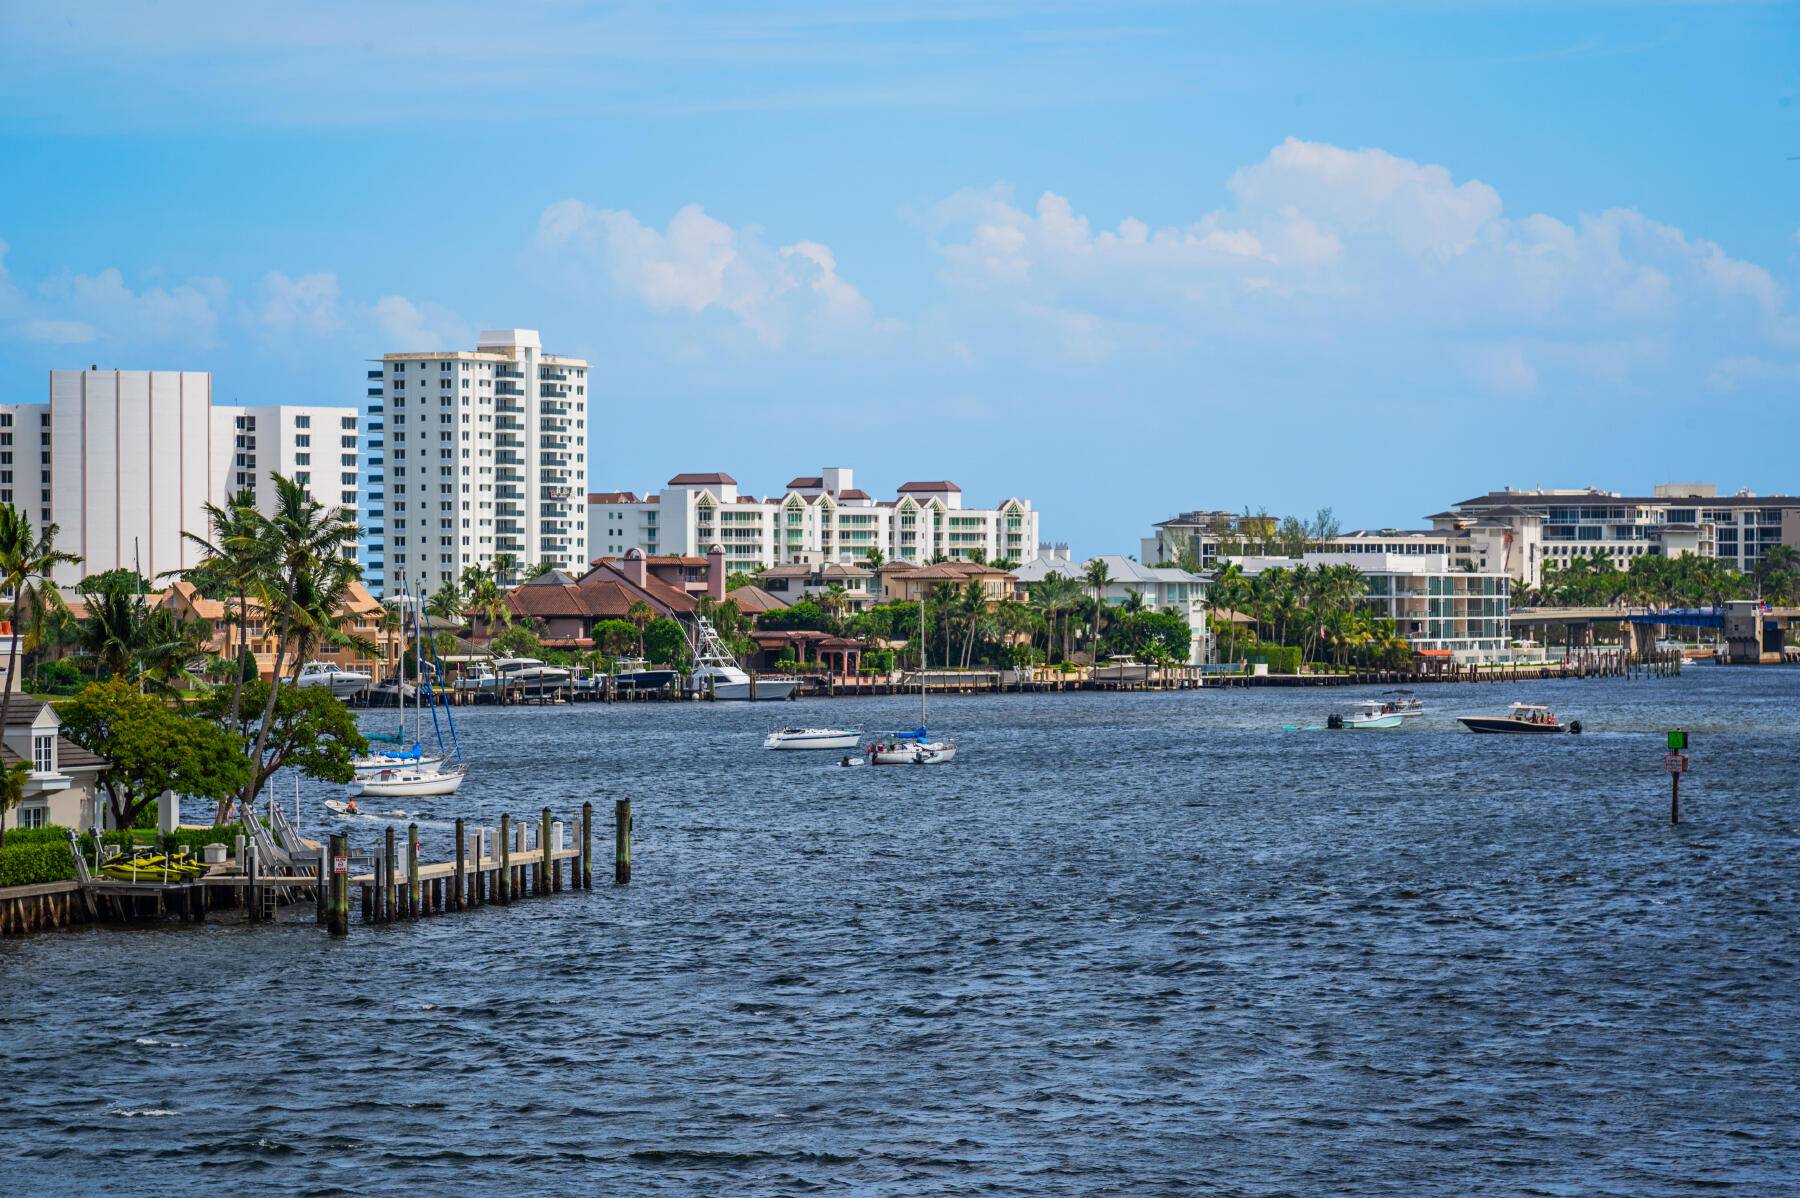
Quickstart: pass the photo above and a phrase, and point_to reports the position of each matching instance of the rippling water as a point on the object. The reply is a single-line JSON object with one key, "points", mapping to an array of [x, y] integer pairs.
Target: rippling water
{"points": [[1125, 944]]}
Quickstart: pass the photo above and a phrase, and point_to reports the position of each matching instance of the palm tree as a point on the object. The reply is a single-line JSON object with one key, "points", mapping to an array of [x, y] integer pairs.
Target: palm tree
{"points": [[971, 605], [488, 602], [835, 600], [1228, 591], [873, 558], [26, 561], [234, 553], [505, 566], [446, 603], [640, 614], [12, 792], [301, 542], [1099, 578], [1134, 602]]}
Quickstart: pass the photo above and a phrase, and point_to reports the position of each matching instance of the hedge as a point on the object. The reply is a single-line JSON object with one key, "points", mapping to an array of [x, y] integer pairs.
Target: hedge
{"points": [[196, 839], [30, 863]]}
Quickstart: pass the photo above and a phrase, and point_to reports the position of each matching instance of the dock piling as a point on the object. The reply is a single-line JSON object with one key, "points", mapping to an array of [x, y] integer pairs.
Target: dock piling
{"points": [[621, 842], [503, 872], [339, 880], [587, 846], [546, 865], [412, 871], [462, 877]]}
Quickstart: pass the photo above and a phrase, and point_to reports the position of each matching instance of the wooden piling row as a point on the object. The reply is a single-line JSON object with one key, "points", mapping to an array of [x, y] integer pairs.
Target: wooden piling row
{"points": [[472, 877]]}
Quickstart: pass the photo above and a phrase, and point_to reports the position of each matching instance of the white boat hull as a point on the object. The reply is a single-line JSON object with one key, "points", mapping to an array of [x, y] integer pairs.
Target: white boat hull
{"points": [[813, 739], [928, 753], [370, 765], [404, 784], [767, 689], [341, 686], [1375, 724]]}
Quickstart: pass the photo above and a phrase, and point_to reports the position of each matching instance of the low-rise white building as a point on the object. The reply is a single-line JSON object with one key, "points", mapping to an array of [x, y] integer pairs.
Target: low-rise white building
{"points": [[1161, 588], [819, 518], [1436, 606]]}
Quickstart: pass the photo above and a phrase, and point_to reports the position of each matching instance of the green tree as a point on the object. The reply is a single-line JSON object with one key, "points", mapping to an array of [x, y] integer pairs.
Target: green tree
{"points": [[1098, 577], [665, 643], [517, 641], [615, 637], [446, 603], [236, 562], [152, 749], [12, 792], [506, 565], [313, 731], [27, 559], [640, 614]]}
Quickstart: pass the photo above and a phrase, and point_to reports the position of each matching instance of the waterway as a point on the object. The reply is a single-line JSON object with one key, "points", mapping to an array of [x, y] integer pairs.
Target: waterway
{"points": [[1126, 944]]}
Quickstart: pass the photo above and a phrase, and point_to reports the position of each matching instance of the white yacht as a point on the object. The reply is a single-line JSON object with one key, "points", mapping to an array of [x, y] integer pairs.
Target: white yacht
{"points": [[813, 738], [915, 747], [1123, 667], [340, 680], [716, 671], [531, 676], [409, 781], [635, 674], [1403, 703], [1369, 716]]}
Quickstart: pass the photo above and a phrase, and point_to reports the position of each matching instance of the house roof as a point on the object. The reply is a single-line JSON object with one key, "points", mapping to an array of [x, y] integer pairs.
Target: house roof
{"points": [[612, 497], [794, 484], [701, 480], [853, 493], [69, 756], [959, 571], [668, 600], [939, 485], [753, 601]]}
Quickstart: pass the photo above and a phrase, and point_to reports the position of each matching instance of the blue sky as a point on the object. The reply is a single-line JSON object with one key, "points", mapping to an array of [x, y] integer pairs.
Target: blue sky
{"points": [[1123, 259]]}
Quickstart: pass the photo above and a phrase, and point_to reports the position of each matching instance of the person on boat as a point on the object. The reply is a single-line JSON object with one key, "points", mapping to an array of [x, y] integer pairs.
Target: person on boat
{"points": [[351, 808]]}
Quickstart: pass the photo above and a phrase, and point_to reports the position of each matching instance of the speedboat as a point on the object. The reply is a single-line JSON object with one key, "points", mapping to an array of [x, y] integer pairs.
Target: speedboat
{"points": [[813, 738], [911, 748], [635, 674], [409, 782], [339, 680], [478, 679], [1369, 716], [717, 673], [1527, 719], [1123, 667], [531, 676], [1404, 704]]}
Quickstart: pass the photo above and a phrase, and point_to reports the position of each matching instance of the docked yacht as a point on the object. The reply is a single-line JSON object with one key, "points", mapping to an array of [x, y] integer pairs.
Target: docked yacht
{"points": [[339, 680], [1123, 667], [405, 782], [533, 678], [478, 678], [635, 674], [1526, 719], [717, 673]]}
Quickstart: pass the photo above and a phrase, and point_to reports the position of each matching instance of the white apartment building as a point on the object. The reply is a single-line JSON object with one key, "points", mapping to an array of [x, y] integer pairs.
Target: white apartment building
{"points": [[818, 518], [1162, 588], [1436, 605], [1551, 526], [123, 461], [484, 453]]}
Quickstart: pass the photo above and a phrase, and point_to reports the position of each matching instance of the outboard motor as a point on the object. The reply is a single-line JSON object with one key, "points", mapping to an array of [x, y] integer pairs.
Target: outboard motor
{"points": [[1574, 727], [1334, 721]]}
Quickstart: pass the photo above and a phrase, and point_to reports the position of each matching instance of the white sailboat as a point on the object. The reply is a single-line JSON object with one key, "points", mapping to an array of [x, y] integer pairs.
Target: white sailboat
{"points": [[403, 775], [916, 747]]}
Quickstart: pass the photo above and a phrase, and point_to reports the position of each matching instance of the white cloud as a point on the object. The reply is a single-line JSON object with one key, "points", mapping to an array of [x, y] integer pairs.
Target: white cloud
{"points": [[186, 314], [407, 326], [699, 264], [56, 332], [1322, 243], [308, 304]]}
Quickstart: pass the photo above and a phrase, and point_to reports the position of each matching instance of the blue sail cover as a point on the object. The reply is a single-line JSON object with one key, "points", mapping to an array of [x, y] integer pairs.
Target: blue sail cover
{"points": [[413, 754], [918, 733]]}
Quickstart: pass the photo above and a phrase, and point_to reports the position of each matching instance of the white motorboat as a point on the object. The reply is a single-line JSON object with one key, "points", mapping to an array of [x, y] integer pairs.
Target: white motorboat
{"points": [[479, 678], [339, 680], [813, 738], [1368, 717], [409, 782], [531, 676], [1404, 704], [1123, 667], [716, 672]]}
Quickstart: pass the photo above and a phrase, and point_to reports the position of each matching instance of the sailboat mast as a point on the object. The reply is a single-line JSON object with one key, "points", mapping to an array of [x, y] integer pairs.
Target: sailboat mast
{"points": [[923, 650]]}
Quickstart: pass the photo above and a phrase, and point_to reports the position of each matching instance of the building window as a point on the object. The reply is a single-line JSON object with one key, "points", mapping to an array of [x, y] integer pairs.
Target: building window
{"points": [[36, 816], [43, 752]]}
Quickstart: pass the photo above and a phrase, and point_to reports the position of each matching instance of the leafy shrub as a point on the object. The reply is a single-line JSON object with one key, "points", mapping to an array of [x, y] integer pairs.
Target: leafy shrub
{"points": [[30, 863], [60, 677], [196, 839]]}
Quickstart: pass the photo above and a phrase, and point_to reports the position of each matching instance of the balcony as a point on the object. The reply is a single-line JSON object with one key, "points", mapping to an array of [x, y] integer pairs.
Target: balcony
{"points": [[375, 392], [374, 374], [509, 409], [554, 374], [508, 425], [509, 390], [554, 407], [506, 372]]}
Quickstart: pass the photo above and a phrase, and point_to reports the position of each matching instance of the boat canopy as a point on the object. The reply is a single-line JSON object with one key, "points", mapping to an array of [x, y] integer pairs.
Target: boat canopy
{"points": [[918, 733], [413, 754]]}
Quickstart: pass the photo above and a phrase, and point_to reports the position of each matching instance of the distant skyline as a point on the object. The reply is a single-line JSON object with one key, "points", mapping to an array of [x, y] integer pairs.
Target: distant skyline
{"points": [[1123, 260]]}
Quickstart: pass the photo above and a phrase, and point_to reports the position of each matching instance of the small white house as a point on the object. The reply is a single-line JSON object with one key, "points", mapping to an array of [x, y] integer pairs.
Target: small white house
{"points": [[64, 780], [1162, 588]]}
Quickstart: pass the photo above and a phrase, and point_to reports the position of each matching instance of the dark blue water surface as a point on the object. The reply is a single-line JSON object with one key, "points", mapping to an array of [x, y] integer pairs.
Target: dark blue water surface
{"points": [[1126, 944]]}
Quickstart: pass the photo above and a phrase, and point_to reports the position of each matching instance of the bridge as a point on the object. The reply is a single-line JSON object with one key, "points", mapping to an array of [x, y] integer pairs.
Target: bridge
{"points": [[1752, 631]]}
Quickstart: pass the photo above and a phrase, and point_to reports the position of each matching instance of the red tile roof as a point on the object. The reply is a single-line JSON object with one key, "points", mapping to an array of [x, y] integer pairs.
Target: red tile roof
{"points": [[940, 485], [795, 484], [612, 497], [853, 493], [700, 480]]}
